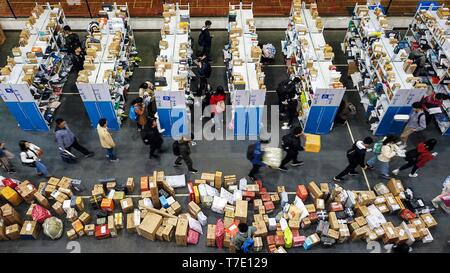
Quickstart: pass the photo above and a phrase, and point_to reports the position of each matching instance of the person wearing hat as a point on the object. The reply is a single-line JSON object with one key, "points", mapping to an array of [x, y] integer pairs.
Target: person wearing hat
{"points": [[151, 136], [292, 144]]}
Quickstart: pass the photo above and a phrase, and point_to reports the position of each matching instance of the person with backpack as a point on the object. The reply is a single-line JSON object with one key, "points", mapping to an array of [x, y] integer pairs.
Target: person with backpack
{"points": [[72, 40], [67, 140], [287, 91], [389, 150], [205, 39], [355, 156], [243, 240], [204, 69], [255, 156], [5, 159], [416, 123], [217, 103], [137, 113], [30, 156], [345, 111], [106, 140], [182, 150], [292, 144], [417, 158], [151, 136]]}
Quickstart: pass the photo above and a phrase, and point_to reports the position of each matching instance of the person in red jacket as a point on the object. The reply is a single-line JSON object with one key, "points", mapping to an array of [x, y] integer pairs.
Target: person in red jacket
{"points": [[217, 103], [419, 157]]}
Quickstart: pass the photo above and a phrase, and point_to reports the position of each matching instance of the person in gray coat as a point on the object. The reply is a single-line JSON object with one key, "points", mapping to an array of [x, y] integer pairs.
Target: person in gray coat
{"points": [[67, 140], [244, 233]]}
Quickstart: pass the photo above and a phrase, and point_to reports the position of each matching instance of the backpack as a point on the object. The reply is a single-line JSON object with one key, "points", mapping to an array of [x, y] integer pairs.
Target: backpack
{"points": [[176, 148], [132, 114], [377, 147], [248, 243], [250, 151], [401, 45]]}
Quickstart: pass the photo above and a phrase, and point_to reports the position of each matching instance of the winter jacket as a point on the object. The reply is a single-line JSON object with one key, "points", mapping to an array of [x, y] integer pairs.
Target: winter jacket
{"points": [[72, 42], [64, 137], [257, 155], [292, 143], [417, 121], [152, 136], [357, 153], [430, 101], [424, 155], [240, 237], [185, 150], [140, 113], [30, 155], [105, 137], [387, 152], [205, 38], [214, 100]]}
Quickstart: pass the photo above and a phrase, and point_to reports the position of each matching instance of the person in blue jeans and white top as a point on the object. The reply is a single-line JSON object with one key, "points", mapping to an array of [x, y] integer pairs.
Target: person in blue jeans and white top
{"points": [[29, 156], [389, 150]]}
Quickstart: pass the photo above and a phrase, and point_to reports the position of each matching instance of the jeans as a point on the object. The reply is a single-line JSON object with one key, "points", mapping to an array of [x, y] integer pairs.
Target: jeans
{"points": [[111, 154], [383, 167], [40, 168]]}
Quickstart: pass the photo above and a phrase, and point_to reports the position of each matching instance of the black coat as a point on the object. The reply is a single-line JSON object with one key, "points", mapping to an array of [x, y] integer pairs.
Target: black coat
{"points": [[205, 38], [151, 136], [184, 148], [357, 155], [291, 143]]}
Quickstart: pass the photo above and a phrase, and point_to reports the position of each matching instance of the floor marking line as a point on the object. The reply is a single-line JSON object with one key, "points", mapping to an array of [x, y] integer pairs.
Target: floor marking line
{"points": [[353, 140]]}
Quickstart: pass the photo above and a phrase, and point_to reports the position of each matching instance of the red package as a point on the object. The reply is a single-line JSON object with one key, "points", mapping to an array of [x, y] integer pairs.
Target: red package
{"points": [[191, 192], [295, 232], [279, 241], [262, 191], [220, 233], [313, 217], [259, 183], [302, 192], [270, 240], [102, 232], [269, 206], [407, 215], [298, 241], [265, 197], [8, 182], [233, 228], [335, 206], [248, 195], [39, 214], [193, 236]]}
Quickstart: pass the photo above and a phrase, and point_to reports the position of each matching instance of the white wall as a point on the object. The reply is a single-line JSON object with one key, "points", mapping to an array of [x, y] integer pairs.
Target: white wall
{"points": [[154, 23]]}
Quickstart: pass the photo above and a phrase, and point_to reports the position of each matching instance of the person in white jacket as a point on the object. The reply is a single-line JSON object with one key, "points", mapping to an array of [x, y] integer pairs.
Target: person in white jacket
{"points": [[443, 199], [388, 151], [29, 156], [106, 140]]}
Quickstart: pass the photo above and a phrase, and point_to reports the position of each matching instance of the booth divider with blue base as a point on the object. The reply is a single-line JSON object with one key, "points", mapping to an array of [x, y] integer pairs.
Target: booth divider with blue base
{"points": [[174, 117], [102, 109], [28, 116], [320, 119], [389, 126], [247, 120]]}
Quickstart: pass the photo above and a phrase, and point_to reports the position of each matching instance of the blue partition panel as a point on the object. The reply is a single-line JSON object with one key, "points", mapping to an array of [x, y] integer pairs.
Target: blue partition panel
{"points": [[165, 120], [93, 112], [254, 119], [320, 119], [106, 110], [240, 121], [179, 120], [35, 118], [388, 126], [21, 118]]}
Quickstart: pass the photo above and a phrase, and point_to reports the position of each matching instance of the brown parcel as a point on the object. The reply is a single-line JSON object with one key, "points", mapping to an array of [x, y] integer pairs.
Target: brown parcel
{"points": [[30, 228], [42, 200], [314, 190], [181, 232], [131, 227], [85, 218], [130, 184], [211, 236], [127, 205], [241, 211], [194, 209], [150, 225], [89, 229], [13, 232]]}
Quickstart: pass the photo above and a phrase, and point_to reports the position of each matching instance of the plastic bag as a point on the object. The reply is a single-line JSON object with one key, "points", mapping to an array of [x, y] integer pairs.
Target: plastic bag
{"points": [[220, 233], [288, 238], [381, 189], [193, 236], [195, 225], [39, 214], [202, 218], [8, 182], [272, 156], [53, 228]]}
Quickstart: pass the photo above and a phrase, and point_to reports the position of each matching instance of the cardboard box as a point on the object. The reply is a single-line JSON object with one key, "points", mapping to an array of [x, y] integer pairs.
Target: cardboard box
{"points": [[362, 211], [390, 234], [209, 177], [85, 218], [334, 224], [144, 183], [107, 205], [429, 220], [361, 221], [333, 234], [218, 180], [211, 236], [78, 227], [314, 190], [181, 232], [42, 200], [359, 233], [71, 234], [127, 205], [30, 230], [193, 209], [241, 211], [131, 226], [312, 143], [168, 232], [395, 186], [11, 196], [89, 230], [150, 225], [10, 215], [26, 191], [130, 184], [320, 204], [302, 192], [306, 222]]}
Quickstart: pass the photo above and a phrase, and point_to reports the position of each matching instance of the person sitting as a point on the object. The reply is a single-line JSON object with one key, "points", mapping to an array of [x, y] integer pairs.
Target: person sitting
{"points": [[245, 232]]}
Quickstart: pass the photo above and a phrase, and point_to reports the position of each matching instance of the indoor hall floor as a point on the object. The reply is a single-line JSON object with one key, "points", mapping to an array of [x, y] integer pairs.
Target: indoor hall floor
{"points": [[226, 156]]}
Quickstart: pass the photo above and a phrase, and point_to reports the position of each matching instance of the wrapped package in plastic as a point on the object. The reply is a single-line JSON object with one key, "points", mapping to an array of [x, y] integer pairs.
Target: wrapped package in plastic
{"points": [[202, 218], [220, 233], [243, 184], [237, 195], [218, 204], [193, 236], [39, 214], [195, 225], [381, 189], [283, 224], [287, 238], [227, 195], [53, 228], [272, 156]]}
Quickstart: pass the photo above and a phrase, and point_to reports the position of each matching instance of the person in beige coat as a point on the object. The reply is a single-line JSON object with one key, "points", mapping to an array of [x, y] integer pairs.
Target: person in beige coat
{"points": [[106, 140], [389, 150]]}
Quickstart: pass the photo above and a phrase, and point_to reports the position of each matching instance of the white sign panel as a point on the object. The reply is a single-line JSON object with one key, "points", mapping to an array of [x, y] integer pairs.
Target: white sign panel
{"points": [[101, 91], [328, 97], [406, 97], [241, 97], [177, 98], [257, 97], [162, 99], [22, 92], [7, 93], [86, 92]]}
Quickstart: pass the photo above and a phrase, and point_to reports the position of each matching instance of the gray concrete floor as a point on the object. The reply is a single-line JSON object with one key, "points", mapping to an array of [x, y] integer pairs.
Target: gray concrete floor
{"points": [[227, 156]]}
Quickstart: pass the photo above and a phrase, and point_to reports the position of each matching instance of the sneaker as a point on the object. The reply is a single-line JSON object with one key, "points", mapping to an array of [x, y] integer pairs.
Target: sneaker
{"points": [[396, 171], [161, 131], [91, 154], [337, 179], [298, 163], [193, 171], [114, 160], [353, 173], [176, 164], [283, 169], [413, 175], [386, 176], [252, 178], [193, 143], [370, 167], [139, 129]]}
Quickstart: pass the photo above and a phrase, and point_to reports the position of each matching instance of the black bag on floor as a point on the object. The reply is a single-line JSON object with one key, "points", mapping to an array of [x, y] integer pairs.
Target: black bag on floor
{"points": [[414, 204]]}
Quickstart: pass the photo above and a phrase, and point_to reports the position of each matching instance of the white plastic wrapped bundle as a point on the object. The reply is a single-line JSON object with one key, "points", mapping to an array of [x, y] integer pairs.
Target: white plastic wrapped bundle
{"points": [[272, 156], [218, 204], [202, 218], [381, 189], [269, 51], [53, 228]]}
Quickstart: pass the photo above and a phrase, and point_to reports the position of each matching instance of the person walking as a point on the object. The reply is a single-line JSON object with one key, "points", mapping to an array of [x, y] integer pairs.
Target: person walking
{"points": [[106, 139], [205, 39], [30, 156], [5, 159], [416, 123], [443, 199], [77, 59], [417, 158], [67, 140], [204, 69], [72, 40], [182, 150], [355, 156], [244, 233], [217, 103], [292, 144], [146, 89], [255, 156], [388, 151], [139, 113], [287, 92], [151, 136]]}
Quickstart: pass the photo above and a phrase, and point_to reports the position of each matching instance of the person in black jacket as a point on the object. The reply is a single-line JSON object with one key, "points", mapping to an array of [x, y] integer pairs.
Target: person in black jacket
{"points": [[182, 150], [286, 92], [152, 137], [355, 156], [292, 144], [72, 40], [78, 59], [205, 38]]}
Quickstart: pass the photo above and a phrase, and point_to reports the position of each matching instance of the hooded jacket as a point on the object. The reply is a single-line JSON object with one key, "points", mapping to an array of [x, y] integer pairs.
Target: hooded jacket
{"points": [[424, 155], [387, 152], [357, 153], [64, 137], [105, 137]]}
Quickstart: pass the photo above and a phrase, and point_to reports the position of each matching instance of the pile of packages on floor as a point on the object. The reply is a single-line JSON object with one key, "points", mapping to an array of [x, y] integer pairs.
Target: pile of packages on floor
{"points": [[324, 213]]}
